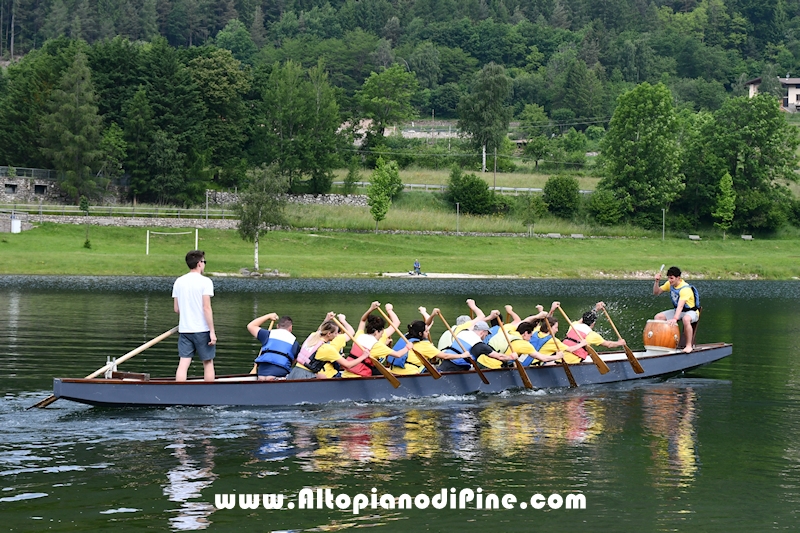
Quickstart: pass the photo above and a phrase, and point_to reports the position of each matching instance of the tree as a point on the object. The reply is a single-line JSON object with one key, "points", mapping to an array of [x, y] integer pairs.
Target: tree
{"points": [[115, 150], [641, 156], [562, 195], [726, 204], [533, 209], [297, 124], [379, 203], [235, 37], [139, 128], [385, 98], [386, 177], [261, 204], [84, 206], [72, 131], [484, 113]]}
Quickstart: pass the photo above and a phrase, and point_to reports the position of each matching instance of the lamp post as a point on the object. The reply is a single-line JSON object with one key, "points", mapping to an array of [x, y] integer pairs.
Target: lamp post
{"points": [[458, 214], [663, 222]]}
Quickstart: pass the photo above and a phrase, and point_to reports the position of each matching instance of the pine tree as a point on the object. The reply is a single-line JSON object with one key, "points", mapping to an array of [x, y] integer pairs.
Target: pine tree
{"points": [[726, 204], [72, 131]]}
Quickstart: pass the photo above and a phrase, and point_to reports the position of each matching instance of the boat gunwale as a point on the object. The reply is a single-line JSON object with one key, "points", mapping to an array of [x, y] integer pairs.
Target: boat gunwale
{"points": [[230, 378]]}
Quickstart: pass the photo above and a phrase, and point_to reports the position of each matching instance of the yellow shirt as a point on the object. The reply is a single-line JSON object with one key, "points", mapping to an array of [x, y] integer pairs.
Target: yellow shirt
{"points": [[426, 349], [331, 352], [447, 337], [685, 292], [518, 346]]}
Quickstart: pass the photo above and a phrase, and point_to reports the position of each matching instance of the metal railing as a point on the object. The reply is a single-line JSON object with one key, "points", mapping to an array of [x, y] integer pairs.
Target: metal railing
{"points": [[443, 188], [23, 172], [126, 211]]}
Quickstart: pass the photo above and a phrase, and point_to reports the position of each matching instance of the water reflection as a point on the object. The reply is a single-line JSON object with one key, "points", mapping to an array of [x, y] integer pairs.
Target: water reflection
{"points": [[186, 481], [669, 417]]}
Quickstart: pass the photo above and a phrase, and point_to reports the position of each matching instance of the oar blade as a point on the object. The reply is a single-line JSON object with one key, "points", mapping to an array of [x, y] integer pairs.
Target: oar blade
{"points": [[44, 403], [637, 367], [595, 357]]}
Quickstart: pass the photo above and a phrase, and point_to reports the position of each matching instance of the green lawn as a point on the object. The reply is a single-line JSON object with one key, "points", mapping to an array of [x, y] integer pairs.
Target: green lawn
{"points": [[58, 249]]}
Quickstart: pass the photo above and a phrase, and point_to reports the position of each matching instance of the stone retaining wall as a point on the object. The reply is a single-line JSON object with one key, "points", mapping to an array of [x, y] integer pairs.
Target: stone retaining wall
{"points": [[221, 198]]}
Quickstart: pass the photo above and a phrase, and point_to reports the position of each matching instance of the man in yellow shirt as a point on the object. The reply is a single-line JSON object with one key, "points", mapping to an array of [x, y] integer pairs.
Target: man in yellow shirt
{"points": [[685, 300]]}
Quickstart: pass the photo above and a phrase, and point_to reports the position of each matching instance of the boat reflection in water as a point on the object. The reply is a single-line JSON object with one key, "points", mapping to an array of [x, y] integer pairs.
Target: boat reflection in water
{"points": [[669, 417], [186, 481]]}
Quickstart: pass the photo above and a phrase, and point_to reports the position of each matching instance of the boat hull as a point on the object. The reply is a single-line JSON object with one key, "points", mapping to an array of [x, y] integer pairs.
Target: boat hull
{"points": [[245, 391]]}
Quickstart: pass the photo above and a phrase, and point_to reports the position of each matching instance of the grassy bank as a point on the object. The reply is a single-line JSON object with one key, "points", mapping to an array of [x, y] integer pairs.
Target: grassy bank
{"points": [[58, 249]]}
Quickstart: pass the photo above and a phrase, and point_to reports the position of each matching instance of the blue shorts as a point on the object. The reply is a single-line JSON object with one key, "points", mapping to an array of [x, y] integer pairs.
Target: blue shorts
{"points": [[191, 343], [268, 369]]}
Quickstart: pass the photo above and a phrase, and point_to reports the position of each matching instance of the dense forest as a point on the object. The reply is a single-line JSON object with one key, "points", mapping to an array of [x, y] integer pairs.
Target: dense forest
{"points": [[180, 95]]}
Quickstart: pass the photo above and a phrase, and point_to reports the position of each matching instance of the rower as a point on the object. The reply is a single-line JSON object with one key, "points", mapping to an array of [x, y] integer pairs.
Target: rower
{"points": [[279, 347], [471, 341], [583, 329], [320, 356], [520, 345], [373, 335], [547, 344], [464, 322]]}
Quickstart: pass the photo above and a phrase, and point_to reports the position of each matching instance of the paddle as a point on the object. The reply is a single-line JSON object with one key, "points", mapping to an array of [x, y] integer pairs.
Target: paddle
{"points": [[466, 353], [382, 369], [50, 399], [255, 365], [631, 358], [601, 365], [564, 364], [523, 374], [427, 364]]}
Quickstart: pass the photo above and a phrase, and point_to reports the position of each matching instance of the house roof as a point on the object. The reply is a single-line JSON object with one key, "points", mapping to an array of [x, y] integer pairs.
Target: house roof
{"points": [[754, 81], [790, 81]]}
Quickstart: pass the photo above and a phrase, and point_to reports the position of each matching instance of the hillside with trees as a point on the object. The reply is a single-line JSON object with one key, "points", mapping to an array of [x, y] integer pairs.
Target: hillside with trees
{"points": [[175, 96]]}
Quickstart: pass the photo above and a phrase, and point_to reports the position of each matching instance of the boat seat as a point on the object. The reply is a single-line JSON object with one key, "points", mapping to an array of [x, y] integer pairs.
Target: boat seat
{"points": [[682, 342]]}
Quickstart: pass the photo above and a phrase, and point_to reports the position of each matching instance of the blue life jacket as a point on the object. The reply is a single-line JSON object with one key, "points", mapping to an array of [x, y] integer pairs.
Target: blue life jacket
{"points": [[468, 340], [400, 362], [538, 342], [278, 350], [675, 295], [494, 330]]}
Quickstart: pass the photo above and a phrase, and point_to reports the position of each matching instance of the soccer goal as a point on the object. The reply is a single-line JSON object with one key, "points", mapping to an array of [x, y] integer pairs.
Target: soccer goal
{"points": [[149, 232]]}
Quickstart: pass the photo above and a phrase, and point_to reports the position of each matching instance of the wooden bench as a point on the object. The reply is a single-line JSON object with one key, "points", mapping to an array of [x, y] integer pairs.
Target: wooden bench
{"points": [[747, 237], [553, 235], [577, 236], [130, 375], [694, 237]]}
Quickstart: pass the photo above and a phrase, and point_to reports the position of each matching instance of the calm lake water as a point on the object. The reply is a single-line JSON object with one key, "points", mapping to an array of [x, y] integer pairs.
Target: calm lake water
{"points": [[714, 450]]}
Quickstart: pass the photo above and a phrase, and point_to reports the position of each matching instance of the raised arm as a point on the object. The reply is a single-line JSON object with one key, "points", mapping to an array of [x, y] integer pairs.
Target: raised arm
{"points": [[515, 319], [656, 287], [347, 327], [395, 324], [255, 324], [479, 314], [363, 323]]}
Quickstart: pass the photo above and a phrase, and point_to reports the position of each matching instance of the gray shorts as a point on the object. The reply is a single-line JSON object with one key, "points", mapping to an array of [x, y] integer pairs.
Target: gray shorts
{"points": [[189, 343], [671, 314]]}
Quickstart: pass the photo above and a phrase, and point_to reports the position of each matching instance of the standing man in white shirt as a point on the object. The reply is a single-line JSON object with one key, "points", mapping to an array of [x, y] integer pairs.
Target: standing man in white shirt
{"points": [[192, 294]]}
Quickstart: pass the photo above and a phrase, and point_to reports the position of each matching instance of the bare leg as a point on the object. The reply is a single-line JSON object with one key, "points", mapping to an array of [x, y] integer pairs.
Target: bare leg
{"points": [[688, 330], [660, 316], [183, 368], [266, 378], [208, 370]]}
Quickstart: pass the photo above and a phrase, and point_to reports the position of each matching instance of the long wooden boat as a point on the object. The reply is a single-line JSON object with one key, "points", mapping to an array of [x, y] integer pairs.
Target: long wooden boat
{"points": [[246, 391]]}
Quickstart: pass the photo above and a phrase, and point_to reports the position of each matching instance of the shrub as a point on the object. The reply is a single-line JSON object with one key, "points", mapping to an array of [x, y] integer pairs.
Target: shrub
{"points": [[595, 133], [605, 208], [386, 178], [562, 195], [471, 192]]}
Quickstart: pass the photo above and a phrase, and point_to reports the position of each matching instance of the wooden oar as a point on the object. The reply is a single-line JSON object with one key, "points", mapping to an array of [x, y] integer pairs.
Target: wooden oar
{"points": [[382, 369], [601, 365], [523, 374], [50, 399], [564, 364], [427, 364], [255, 365], [465, 352], [631, 358]]}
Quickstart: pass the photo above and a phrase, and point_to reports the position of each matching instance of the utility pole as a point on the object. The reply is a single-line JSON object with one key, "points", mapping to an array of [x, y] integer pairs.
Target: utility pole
{"points": [[13, 21], [495, 168]]}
